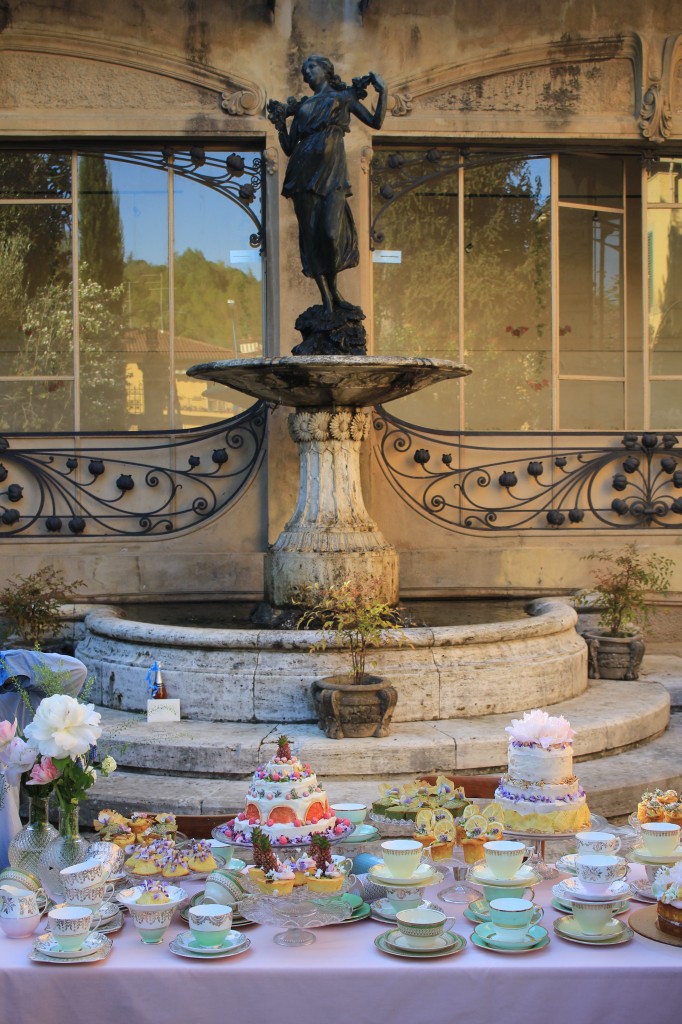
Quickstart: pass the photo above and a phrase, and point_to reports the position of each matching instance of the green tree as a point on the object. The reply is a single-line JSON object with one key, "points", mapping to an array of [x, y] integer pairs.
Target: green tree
{"points": [[100, 231]]}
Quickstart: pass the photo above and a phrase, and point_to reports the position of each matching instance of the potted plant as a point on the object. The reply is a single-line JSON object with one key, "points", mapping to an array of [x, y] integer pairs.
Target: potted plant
{"points": [[621, 583], [355, 703]]}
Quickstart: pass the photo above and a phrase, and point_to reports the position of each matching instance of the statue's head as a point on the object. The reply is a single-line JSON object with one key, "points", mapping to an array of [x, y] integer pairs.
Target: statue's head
{"points": [[317, 68]]}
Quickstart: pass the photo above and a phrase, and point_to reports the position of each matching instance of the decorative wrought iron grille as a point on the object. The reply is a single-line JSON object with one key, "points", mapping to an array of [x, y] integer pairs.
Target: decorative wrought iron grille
{"points": [[468, 481], [67, 489]]}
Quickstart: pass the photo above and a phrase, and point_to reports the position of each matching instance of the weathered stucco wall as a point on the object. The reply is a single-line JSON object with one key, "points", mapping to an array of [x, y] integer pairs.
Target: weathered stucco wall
{"points": [[203, 70]]}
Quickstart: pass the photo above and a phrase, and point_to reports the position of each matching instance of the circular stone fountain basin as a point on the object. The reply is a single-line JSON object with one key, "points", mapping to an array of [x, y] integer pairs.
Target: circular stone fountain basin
{"points": [[259, 675]]}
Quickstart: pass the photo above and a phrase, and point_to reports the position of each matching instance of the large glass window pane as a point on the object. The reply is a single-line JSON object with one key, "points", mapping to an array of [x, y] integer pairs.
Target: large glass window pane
{"points": [[416, 270], [666, 404], [507, 318], [665, 181], [124, 315], [590, 293], [36, 305], [36, 406], [591, 405], [218, 294], [35, 175], [664, 254], [591, 180]]}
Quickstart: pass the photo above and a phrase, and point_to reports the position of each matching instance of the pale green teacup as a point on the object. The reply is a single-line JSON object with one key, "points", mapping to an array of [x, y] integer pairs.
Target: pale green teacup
{"points": [[661, 838], [593, 918], [70, 926], [498, 892], [356, 813], [210, 923], [504, 857], [423, 926], [512, 919]]}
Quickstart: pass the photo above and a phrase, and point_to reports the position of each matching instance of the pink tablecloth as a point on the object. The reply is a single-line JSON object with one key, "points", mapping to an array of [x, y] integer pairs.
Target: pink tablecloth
{"points": [[344, 979]]}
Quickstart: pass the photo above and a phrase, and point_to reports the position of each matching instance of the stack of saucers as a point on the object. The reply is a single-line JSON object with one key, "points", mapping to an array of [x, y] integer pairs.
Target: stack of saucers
{"points": [[210, 934], [593, 915], [185, 945], [421, 933]]}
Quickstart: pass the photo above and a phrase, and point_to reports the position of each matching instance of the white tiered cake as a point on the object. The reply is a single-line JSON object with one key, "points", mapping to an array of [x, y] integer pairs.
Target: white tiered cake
{"points": [[286, 801], [539, 792]]}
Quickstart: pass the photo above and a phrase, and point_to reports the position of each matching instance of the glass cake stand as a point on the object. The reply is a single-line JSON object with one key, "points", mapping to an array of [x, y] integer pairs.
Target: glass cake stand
{"points": [[297, 913], [302, 844], [536, 856]]}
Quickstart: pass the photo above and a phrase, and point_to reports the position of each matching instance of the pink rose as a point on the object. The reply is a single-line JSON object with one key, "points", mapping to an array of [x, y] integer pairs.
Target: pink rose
{"points": [[43, 772], [18, 757], [7, 732]]}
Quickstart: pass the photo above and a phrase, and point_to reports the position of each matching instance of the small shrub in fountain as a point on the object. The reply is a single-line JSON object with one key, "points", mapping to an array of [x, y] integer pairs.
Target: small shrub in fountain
{"points": [[29, 605]]}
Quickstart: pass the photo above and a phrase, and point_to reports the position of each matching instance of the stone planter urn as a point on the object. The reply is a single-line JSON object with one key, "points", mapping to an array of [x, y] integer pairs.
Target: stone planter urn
{"points": [[613, 657], [354, 709]]}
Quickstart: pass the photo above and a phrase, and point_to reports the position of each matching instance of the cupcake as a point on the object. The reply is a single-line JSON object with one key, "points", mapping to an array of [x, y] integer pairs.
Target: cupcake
{"points": [[667, 888], [144, 863], [672, 812], [153, 892], [200, 856], [327, 877], [174, 865], [302, 868]]}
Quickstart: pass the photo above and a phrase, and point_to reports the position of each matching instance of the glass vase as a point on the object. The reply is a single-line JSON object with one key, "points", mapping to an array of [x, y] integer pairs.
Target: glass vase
{"points": [[67, 848], [26, 848]]}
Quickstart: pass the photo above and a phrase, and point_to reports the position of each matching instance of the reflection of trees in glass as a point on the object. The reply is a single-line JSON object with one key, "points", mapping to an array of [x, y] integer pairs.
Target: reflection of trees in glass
{"points": [[667, 333], [415, 301], [100, 229], [507, 297]]}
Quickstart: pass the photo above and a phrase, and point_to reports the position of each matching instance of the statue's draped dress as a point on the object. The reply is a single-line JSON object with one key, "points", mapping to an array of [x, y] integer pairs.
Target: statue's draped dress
{"points": [[317, 181]]}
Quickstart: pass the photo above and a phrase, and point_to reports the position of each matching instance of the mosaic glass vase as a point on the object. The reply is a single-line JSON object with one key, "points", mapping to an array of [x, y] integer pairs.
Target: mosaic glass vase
{"points": [[67, 848], [28, 845]]}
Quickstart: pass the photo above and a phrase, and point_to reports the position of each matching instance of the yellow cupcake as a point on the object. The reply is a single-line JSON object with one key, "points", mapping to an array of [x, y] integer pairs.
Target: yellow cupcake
{"points": [[324, 885]]}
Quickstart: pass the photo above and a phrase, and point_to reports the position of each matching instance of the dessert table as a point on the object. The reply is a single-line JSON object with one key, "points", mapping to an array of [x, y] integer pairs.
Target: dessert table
{"points": [[342, 977]]}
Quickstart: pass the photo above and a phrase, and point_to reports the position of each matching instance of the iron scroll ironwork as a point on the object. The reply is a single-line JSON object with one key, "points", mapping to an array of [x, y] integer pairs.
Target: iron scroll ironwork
{"points": [[466, 481], [116, 488]]}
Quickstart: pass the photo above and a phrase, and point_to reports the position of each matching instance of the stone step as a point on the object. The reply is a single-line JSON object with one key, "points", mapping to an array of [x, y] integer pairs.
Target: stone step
{"points": [[614, 784], [608, 717]]}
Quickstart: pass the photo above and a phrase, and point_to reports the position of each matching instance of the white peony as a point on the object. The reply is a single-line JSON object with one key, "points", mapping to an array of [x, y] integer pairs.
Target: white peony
{"points": [[108, 765], [537, 726], [64, 728]]}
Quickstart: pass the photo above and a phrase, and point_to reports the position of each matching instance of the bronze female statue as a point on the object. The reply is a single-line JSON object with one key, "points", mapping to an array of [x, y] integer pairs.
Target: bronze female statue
{"points": [[317, 177]]}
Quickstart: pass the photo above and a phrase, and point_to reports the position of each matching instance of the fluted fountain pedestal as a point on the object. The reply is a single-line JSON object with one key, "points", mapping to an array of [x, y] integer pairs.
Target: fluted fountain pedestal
{"points": [[330, 537]]}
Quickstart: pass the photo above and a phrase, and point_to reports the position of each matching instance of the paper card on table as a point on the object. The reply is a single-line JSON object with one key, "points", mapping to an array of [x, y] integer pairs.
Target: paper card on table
{"points": [[167, 710]]}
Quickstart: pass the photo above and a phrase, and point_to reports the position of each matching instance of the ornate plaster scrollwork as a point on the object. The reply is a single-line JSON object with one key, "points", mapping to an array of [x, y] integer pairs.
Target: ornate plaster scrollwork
{"points": [[400, 103], [366, 157], [655, 116], [271, 160], [243, 102]]}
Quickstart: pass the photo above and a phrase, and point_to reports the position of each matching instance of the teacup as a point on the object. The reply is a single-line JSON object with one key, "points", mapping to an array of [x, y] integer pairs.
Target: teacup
{"points": [[88, 872], [70, 926], [344, 864], [19, 913], [404, 899], [224, 887], [151, 920], [23, 880], [512, 919], [597, 842], [92, 896], [356, 813], [498, 892], [593, 918], [421, 926], [504, 857], [597, 871], [402, 857], [661, 838], [210, 924]]}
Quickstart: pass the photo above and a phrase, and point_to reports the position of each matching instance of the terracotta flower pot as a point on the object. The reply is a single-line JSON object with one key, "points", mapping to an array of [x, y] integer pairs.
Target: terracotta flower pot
{"points": [[614, 657], [346, 709]]}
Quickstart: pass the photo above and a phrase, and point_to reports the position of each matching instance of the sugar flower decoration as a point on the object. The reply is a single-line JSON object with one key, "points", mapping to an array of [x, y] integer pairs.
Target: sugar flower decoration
{"points": [[538, 727]]}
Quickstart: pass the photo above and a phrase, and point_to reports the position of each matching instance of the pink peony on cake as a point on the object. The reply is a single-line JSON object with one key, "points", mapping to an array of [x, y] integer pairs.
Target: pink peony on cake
{"points": [[286, 801], [539, 792]]}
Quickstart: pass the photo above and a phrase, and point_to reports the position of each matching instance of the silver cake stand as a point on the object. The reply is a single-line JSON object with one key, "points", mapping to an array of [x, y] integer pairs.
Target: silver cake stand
{"points": [[297, 913]]}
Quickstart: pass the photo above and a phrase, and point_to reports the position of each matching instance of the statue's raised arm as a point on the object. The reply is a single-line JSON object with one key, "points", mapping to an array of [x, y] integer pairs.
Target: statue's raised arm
{"points": [[317, 181]]}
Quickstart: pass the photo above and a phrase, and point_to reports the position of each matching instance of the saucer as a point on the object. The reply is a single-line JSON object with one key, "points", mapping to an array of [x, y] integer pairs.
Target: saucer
{"points": [[614, 934], [640, 855], [526, 875], [397, 940], [419, 954], [48, 947], [180, 949], [112, 924], [642, 893], [424, 875], [542, 941], [487, 931], [564, 907], [383, 911], [363, 834], [567, 863], [233, 940], [573, 889], [361, 913]]}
